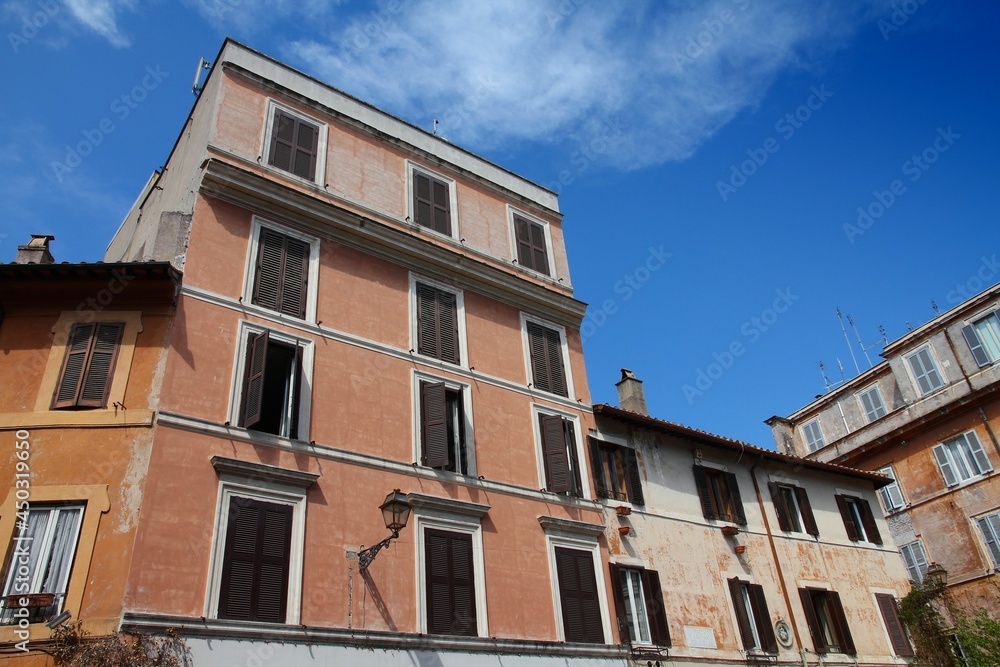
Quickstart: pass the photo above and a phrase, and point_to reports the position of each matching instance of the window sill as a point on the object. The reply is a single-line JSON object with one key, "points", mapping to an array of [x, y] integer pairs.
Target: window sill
{"points": [[81, 418]]}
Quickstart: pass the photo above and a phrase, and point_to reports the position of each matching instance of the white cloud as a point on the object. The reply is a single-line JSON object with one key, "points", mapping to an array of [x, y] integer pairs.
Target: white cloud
{"points": [[101, 16]]}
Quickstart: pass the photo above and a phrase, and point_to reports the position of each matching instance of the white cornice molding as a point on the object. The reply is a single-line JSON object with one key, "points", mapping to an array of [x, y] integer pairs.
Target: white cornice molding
{"points": [[422, 501], [551, 524], [263, 472]]}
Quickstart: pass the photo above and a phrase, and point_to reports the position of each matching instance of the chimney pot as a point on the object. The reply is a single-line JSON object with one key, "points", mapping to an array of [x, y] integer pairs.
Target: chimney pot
{"points": [[36, 251], [631, 396]]}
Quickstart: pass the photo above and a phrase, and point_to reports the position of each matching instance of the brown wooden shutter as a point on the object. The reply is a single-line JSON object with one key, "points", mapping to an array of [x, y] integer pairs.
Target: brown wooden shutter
{"points": [[256, 561], [253, 379], [294, 278], [545, 348], [104, 351], [597, 468], [448, 326], [581, 609], [655, 612], [451, 596], [294, 145], [808, 519], [428, 337], [306, 149], [764, 629], [554, 447], [431, 203], [522, 234], [434, 424], [621, 616], [840, 622], [868, 519], [270, 256], [739, 515], [780, 508], [442, 207], [531, 248], [282, 273], [819, 643], [704, 493], [849, 524], [742, 617], [897, 633], [632, 476], [74, 366], [282, 141]]}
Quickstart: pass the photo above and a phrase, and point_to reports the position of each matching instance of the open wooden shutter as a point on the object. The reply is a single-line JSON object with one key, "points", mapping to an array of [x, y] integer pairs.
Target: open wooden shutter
{"points": [[74, 366], [978, 351], [253, 379], [739, 515], [840, 621], [976, 447], [434, 424], [632, 476], [944, 462], [742, 617], [581, 609], [103, 352], [868, 519], [780, 508], [704, 493], [897, 633], [256, 562], [597, 468], [451, 589], [624, 631], [819, 643], [808, 520], [659, 632], [764, 629], [849, 523], [556, 460]]}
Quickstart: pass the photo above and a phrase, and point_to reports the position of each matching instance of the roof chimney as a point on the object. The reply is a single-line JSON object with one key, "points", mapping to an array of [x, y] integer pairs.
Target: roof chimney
{"points": [[36, 252], [631, 397]]}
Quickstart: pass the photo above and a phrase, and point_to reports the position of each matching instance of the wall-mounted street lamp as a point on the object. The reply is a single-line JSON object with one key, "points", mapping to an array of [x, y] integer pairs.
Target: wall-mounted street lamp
{"points": [[936, 576], [395, 513]]}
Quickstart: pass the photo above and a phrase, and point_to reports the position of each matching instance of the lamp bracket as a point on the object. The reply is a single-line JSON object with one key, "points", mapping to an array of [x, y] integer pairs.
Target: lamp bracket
{"points": [[366, 556]]}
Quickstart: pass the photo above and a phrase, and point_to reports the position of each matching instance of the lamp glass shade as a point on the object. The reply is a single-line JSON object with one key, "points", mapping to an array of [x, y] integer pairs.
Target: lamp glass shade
{"points": [[936, 575], [395, 511]]}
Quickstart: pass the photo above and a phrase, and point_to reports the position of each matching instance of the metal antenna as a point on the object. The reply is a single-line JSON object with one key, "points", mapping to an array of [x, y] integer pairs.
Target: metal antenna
{"points": [[202, 64], [435, 127], [934, 306], [862, 345], [848, 339]]}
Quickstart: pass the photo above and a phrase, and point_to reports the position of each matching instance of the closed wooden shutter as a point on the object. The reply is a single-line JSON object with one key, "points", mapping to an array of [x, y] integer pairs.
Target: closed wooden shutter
{"points": [[85, 380], [432, 203], [738, 514], [704, 493], [849, 523], [282, 273], [451, 586], [897, 633], [581, 608], [531, 247], [434, 424], [597, 468], [780, 508], [545, 348], [256, 561], [742, 617], [74, 365], [295, 276], [840, 622], [808, 520], [437, 324], [557, 473], [632, 476], [253, 379], [815, 631], [294, 145], [655, 613], [975, 345], [764, 629], [868, 519]]}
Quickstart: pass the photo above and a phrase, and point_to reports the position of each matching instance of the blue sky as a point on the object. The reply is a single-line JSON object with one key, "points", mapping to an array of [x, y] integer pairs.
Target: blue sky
{"points": [[731, 171]]}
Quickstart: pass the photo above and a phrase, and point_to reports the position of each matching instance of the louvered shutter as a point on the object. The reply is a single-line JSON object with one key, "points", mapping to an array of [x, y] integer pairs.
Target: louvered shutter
{"points": [[306, 145], [539, 256], [97, 378], [295, 276], [431, 203], [742, 617], [282, 274], [819, 643], [840, 621], [659, 632], [256, 561], [294, 145], [704, 493], [978, 454], [448, 326], [990, 528], [597, 469], [522, 233], [868, 519], [556, 460], [897, 634], [451, 600], [624, 630], [944, 462], [780, 508], [253, 379], [738, 513], [74, 366], [632, 476], [434, 424], [808, 520], [428, 336], [975, 345], [545, 348], [764, 629], [849, 523], [282, 141], [581, 607], [270, 255], [442, 207]]}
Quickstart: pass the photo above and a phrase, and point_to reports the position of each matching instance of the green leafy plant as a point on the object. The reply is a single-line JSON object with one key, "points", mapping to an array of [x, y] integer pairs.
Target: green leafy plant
{"points": [[979, 636], [74, 647], [926, 626]]}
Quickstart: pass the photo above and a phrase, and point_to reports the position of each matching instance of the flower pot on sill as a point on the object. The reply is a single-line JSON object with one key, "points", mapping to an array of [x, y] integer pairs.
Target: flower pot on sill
{"points": [[729, 531], [623, 530], [740, 549], [33, 600], [623, 510]]}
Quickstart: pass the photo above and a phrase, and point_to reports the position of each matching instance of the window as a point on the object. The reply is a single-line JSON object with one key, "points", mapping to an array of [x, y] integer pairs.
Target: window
{"points": [[858, 519], [791, 504], [532, 249], [871, 401], [294, 144], [281, 273], [437, 323], [41, 558], [432, 202], [272, 385], [639, 606], [752, 616], [85, 378], [719, 493], [814, 435], [445, 433], [891, 495], [578, 596], [545, 349], [451, 586], [897, 632], [983, 337], [559, 453], [616, 472], [925, 371], [962, 458], [915, 560], [827, 622], [989, 526]]}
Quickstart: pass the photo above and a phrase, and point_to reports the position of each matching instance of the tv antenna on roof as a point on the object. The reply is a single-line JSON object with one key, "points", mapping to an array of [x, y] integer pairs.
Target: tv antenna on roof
{"points": [[861, 344], [202, 64]]}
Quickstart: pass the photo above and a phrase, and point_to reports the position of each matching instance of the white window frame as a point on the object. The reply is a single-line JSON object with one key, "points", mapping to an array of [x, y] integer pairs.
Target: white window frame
{"points": [[992, 521], [536, 412], [555, 538], [246, 486], [249, 275], [907, 552], [885, 493], [813, 423], [468, 425], [926, 372], [965, 460], [412, 167], [634, 604], [426, 517], [321, 143], [868, 391], [564, 351], [995, 331], [550, 260], [463, 347], [246, 329]]}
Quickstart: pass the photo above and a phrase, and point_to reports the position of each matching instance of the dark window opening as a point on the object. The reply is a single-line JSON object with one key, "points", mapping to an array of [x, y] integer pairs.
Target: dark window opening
{"points": [[791, 504], [752, 616], [442, 428], [827, 621], [271, 386], [858, 519], [639, 606]]}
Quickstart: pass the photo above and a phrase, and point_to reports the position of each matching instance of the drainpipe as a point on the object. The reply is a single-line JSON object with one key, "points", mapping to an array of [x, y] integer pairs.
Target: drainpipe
{"points": [[774, 554]]}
